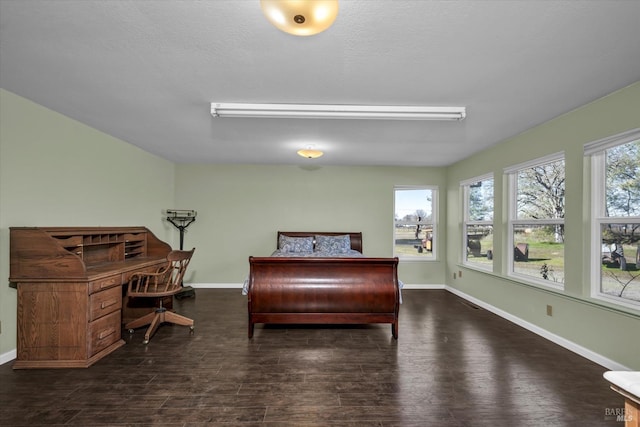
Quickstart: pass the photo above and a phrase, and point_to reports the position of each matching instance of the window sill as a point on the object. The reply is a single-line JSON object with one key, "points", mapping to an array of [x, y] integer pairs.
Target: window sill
{"points": [[543, 284], [478, 267], [616, 301], [593, 301]]}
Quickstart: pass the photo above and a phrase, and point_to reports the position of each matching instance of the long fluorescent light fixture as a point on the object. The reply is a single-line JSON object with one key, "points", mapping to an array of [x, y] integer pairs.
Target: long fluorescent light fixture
{"points": [[308, 111]]}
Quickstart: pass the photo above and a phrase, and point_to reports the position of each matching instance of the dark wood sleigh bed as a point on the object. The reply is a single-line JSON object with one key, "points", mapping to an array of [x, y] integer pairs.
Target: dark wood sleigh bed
{"points": [[323, 290]]}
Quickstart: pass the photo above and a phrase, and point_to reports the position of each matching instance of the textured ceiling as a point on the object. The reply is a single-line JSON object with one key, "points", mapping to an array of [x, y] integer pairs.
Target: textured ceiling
{"points": [[147, 71]]}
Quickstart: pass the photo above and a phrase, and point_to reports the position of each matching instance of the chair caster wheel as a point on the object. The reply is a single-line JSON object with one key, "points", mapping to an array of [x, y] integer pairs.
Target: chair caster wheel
{"points": [[131, 331], [191, 328]]}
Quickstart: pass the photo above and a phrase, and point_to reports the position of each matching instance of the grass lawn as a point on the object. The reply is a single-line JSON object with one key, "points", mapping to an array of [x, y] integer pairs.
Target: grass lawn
{"points": [[540, 254], [406, 243]]}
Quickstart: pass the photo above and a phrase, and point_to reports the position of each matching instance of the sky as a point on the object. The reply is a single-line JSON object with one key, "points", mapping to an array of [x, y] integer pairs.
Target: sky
{"points": [[407, 201]]}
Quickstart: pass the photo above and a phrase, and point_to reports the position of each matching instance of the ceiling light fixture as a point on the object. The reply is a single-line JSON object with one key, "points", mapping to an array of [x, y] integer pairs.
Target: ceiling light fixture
{"points": [[308, 111], [310, 153], [300, 17]]}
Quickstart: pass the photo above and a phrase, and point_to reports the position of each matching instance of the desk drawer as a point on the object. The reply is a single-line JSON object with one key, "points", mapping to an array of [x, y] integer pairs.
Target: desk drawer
{"points": [[104, 332], [105, 302], [106, 283]]}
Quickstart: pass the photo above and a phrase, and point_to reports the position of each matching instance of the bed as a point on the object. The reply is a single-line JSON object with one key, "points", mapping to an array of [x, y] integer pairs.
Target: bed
{"points": [[322, 278]]}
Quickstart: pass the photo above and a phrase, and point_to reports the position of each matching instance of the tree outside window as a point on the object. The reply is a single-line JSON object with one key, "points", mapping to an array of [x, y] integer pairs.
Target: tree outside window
{"points": [[616, 217], [536, 220], [478, 222], [415, 222]]}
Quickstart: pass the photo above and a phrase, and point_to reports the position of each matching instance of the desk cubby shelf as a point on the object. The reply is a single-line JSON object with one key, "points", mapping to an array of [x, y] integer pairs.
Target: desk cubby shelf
{"points": [[96, 248]]}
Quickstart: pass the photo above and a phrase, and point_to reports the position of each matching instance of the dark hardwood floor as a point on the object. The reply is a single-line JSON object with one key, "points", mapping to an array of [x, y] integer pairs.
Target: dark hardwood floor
{"points": [[453, 365]]}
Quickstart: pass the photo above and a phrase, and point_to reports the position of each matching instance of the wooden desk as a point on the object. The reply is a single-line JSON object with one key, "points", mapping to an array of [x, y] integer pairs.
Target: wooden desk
{"points": [[628, 385], [69, 282]]}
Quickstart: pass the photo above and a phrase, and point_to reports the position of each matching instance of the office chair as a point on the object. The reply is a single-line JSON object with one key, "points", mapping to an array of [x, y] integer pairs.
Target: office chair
{"points": [[167, 281]]}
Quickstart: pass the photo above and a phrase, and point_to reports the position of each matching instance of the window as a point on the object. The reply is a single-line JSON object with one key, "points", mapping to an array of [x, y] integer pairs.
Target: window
{"points": [[478, 222], [615, 247], [536, 221], [414, 231]]}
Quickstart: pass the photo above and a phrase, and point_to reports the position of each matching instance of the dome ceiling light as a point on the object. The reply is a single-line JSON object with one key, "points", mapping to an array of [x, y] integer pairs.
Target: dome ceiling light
{"points": [[310, 152], [300, 17]]}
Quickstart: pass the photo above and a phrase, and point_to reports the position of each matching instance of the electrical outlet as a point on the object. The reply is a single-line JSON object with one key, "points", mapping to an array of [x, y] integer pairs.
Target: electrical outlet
{"points": [[549, 310], [459, 273], [454, 276]]}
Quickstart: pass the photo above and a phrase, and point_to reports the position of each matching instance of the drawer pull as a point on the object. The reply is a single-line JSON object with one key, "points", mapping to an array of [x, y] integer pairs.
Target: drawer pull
{"points": [[106, 304], [107, 284], [106, 333]]}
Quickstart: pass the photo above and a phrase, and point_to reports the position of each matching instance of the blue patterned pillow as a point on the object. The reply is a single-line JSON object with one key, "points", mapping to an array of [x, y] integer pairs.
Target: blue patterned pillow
{"points": [[295, 244], [333, 244]]}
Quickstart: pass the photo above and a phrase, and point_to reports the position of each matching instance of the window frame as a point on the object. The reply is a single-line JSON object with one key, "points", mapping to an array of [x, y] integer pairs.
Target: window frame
{"points": [[466, 191], [596, 152], [434, 223], [513, 221]]}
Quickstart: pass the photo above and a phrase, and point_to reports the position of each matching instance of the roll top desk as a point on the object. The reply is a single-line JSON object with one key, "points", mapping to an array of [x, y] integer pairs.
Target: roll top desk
{"points": [[69, 284]]}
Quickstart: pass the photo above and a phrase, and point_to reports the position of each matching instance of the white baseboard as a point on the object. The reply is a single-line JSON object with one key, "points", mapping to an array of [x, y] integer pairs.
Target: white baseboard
{"points": [[413, 286], [569, 345], [8, 356], [215, 285]]}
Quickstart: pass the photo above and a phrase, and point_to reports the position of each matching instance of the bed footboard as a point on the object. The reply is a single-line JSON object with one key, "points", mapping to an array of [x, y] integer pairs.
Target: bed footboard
{"points": [[323, 290]]}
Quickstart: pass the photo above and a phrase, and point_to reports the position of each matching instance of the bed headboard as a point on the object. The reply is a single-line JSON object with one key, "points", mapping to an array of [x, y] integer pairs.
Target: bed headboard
{"points": [[356, 238]]}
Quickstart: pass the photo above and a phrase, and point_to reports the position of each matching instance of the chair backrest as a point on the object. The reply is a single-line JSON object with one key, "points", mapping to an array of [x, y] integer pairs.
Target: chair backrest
{"points": [[166, 281], [178, 262]]}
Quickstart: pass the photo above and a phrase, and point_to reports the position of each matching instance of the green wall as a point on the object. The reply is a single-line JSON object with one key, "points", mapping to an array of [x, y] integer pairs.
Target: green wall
{"points": [[241, 207], [595, 325], [55, 171]]}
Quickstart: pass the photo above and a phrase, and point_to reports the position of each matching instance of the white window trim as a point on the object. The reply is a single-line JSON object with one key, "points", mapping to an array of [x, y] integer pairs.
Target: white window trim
{"points": [[473, 180], [600, 145], [535, 162], [434, 223], [511, 172], [464, 185], [596, 151]]}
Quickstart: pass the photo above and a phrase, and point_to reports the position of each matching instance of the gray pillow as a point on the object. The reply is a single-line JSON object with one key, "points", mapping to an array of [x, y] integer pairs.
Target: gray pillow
{"points": [[333, 244], [290, 244]]}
